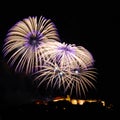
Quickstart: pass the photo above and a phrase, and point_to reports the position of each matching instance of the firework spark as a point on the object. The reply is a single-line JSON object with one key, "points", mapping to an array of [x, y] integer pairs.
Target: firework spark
{"points": [[77, 80], [68, 55], [82, 79], [24, 44]]}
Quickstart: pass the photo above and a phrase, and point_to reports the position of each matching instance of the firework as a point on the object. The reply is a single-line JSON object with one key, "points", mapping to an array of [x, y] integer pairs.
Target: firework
{"points": [[34, 47], [82, 79], [68, 55], [24, 44], [77, 79]]}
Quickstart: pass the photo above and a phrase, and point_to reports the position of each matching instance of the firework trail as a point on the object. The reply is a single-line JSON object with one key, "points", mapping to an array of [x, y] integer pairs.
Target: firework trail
{"points": [[24, 44]]}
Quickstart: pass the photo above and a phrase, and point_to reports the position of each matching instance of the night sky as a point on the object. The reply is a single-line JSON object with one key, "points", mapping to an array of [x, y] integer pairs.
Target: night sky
{"points": [[96, 30]]}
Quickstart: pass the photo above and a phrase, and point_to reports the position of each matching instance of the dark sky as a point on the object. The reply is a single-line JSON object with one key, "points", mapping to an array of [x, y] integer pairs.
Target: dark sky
{"points": [[96, 30]]}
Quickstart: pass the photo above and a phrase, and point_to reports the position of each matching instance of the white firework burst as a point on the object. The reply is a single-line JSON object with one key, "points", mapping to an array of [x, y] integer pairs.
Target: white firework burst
{"points": [[77, 80], [68, 55], [82, 80], [24, 44]]}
